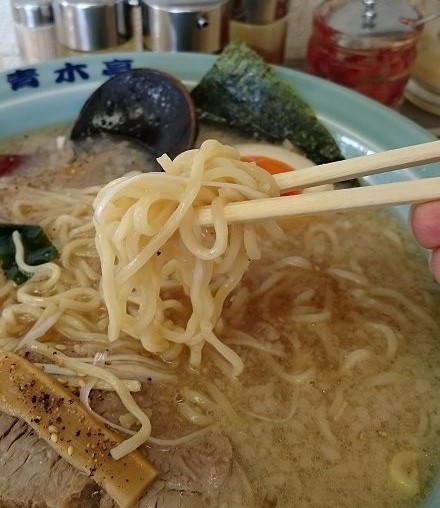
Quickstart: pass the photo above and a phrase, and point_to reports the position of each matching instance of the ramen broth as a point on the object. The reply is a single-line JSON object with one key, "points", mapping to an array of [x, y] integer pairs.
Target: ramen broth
{"points": [[338, 327]]}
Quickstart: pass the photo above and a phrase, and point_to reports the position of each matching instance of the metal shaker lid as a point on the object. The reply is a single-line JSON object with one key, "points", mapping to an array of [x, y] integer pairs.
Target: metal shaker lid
{"points": [[88, 25], [184, 5], [32, 13], [384, 18], [183, 25], [259, 12]]}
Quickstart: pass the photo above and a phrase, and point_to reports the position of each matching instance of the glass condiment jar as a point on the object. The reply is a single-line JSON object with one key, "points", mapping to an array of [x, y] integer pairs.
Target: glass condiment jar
{"points": [[369, 51], [262, 25], [93, 26], [424, 86], [298, 31], [35, 29]]}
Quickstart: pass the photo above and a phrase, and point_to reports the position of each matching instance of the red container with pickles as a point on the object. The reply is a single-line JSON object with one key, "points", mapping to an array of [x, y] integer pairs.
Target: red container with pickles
{"points": [[366, 47]]}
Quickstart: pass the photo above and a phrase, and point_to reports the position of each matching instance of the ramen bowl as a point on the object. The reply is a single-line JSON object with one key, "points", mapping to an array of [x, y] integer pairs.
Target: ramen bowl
{"points": [[52, 93]]}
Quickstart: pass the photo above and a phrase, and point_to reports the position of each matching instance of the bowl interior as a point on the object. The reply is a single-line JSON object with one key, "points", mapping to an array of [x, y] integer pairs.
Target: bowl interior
{"points": [[53, 92]]}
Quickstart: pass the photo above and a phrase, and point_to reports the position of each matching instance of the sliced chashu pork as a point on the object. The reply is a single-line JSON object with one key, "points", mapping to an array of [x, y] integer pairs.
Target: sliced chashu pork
{"points": [[33, 475], [201, 474]]}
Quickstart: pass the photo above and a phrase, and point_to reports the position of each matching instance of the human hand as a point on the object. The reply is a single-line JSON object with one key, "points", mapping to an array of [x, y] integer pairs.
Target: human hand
{"points": [[425, 223]]}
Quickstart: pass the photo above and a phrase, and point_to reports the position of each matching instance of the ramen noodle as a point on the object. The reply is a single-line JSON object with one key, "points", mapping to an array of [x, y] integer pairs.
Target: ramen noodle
{"points": [[319, 360]]}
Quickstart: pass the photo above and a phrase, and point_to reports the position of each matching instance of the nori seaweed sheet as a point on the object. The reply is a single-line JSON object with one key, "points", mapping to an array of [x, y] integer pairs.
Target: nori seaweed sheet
{"points": [[241, 90]]}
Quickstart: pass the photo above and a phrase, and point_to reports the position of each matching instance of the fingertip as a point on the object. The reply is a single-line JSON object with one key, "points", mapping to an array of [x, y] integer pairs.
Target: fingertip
{"points": [[425, 222], [434, 264]]}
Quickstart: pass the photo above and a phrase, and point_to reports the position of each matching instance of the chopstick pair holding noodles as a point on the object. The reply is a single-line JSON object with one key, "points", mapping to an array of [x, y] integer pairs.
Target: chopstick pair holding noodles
{"points": [[343, 199]]}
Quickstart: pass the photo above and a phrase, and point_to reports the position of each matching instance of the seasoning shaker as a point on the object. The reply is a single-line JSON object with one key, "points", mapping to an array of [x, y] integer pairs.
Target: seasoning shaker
{"points": [[185, 25], [35, 29], [262, 25], [93, 25]]}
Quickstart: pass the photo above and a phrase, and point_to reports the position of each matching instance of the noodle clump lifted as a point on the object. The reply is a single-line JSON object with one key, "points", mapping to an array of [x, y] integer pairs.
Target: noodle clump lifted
{"points": [[136, 274], [143, 282], [332, 331]]}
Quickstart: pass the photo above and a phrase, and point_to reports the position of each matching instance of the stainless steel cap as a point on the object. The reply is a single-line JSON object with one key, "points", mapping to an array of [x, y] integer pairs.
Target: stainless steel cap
{"points": [[182, 25], [88, 25], [390, 18], [32, 13], [259, 12]]}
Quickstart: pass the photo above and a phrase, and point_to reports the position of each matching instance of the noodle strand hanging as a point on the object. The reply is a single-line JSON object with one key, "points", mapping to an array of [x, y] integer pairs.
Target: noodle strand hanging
{"points": [[152, 252]]}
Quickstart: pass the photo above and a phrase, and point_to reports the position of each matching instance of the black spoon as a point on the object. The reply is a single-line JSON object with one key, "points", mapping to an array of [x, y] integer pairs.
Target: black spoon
{"points": [[147, 106]]}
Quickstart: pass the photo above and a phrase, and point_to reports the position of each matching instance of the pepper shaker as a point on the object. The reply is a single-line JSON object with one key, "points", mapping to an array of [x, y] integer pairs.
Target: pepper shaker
{"points": [[93, 25], [35, 29], [182, 25]]}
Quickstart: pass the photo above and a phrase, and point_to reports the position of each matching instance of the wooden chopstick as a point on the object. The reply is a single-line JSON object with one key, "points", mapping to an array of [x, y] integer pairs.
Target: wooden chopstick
{"points": [[399, 193], [357, 167]]}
